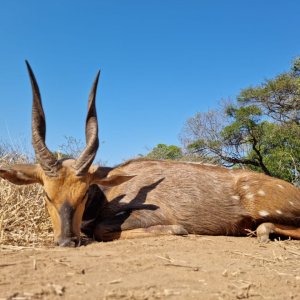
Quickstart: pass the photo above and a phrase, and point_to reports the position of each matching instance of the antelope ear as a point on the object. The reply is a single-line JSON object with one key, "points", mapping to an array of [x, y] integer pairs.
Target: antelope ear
{"points": [[22, 174], [102, 177]]}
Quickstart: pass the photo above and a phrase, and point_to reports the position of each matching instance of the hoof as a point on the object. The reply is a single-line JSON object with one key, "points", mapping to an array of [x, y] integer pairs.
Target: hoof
{"points": [[263, 232], [179, 230], [69, 242]]}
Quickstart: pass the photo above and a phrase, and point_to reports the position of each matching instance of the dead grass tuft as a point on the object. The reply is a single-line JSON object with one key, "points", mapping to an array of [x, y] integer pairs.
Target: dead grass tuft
{"points": [[24, 220]]}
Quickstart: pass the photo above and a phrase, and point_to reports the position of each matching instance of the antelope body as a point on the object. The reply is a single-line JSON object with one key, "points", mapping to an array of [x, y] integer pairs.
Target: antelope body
{"points": [[167, 197], [147, 197]]}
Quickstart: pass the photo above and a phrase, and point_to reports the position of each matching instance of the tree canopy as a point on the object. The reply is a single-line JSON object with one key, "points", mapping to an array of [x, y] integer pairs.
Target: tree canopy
{"points": [[163, 151], [260, 130]]}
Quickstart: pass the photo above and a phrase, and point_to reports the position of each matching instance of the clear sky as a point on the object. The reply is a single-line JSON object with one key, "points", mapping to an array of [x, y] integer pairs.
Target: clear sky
{"points": [[161, 62]]}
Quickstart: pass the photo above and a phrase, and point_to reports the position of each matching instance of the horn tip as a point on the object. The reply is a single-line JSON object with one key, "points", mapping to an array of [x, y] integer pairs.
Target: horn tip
{"points": [[98, 73], [27, 63], [28, 67]]}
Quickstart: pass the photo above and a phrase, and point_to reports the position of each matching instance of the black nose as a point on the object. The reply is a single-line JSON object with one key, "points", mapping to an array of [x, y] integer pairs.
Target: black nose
{"points": [[69, 242], [67, 237]]}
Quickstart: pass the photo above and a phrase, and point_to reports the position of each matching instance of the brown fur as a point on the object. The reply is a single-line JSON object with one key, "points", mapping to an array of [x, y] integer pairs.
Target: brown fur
{"points": [[203, 199], [65, 194], [162, 197]]}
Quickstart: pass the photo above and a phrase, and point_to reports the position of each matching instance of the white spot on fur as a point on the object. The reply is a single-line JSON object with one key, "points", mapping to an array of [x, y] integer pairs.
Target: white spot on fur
{"points": [[249, 196], [263, 213], [261, 193], [237, 197], [280, 186], [292, 203], [279, 211], [245, 187]]}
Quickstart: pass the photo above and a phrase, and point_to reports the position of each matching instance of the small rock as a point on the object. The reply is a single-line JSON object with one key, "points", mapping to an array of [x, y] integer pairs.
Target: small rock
{"points": [[225, 273], [58, 289]]}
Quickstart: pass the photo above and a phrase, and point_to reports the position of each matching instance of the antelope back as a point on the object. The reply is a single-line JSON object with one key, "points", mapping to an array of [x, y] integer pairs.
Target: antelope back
{"points": [[204, 199]]}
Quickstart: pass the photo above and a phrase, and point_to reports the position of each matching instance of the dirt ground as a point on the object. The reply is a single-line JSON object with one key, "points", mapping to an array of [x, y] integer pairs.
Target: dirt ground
{"points": [[193, 267]]}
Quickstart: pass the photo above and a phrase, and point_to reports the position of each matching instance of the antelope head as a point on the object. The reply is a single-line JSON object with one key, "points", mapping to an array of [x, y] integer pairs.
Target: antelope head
{"points": [[66, 182]]}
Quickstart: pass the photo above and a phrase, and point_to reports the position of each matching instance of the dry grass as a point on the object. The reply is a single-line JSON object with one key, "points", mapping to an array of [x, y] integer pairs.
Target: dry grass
{"points": [[24, 220]]}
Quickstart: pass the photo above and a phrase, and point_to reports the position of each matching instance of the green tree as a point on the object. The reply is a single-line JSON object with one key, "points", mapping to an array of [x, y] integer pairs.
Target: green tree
{"points": [[261, 130], [278, 98], [163, 151]]}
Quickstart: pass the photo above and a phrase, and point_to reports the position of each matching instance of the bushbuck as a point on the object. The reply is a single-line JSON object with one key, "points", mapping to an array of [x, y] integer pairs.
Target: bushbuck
{"points": [[141, 198]]}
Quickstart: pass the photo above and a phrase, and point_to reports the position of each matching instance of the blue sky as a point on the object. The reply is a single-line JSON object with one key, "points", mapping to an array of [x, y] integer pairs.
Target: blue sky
{"points": [[161, 62]]}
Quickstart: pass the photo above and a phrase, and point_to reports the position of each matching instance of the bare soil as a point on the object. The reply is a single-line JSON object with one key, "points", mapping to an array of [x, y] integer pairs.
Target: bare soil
{"points": [[192, 267]]}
